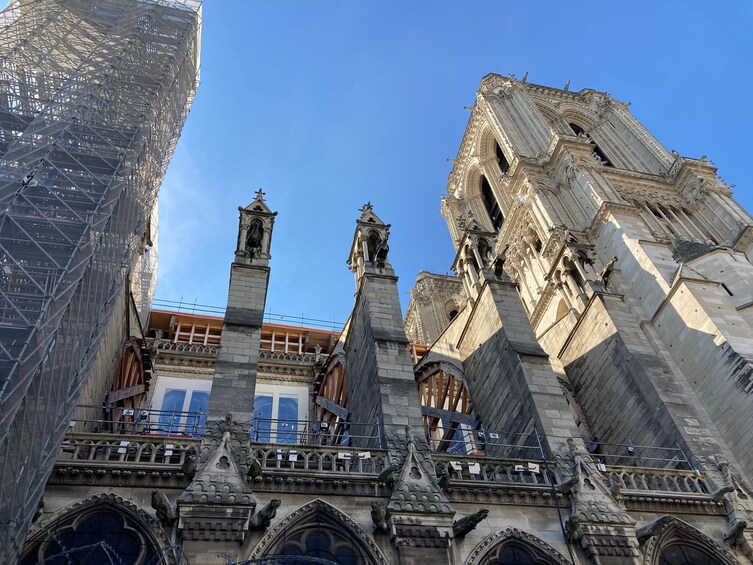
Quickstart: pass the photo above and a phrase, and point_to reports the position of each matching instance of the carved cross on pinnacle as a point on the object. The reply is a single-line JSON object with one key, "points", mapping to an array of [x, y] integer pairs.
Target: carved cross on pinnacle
{"points": [[260, 194], [366, 207]]}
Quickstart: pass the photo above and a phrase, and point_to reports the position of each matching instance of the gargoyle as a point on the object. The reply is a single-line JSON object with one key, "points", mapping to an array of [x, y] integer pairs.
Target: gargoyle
{"points": [[165, 512], [263, 518], [377, 516], [388, 476], [467, 524]]}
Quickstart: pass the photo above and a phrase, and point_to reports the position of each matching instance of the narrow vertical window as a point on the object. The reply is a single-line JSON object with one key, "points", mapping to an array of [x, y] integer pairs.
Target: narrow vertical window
{"points": [[577, 130], [504, 165], [491, 205]]}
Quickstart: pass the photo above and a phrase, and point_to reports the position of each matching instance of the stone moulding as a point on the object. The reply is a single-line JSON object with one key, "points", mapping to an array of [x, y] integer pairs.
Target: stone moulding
{"points": [[676, 529], [149, 524], [314, 507], [492, 542]]}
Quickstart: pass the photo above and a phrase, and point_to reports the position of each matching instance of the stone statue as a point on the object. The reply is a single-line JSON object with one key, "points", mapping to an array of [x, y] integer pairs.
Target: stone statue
{"points": [[165, 512], [444, 478], [189, 465], [377, 516], [644, 533], [466, 525], [499, 262], [388, 475], [263, 518], [381, 253], [255, 470], [253, 239], [607, 271]]}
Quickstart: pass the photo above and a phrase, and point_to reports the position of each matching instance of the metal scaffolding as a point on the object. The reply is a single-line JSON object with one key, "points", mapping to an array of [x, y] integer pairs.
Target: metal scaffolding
{"points": [[93, 95]]}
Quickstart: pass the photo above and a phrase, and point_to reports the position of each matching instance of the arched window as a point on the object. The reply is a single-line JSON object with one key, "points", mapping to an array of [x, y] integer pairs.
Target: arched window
{"points": [[677, 543], [504, 165], [577, 130], [515, 547], [491, 204], [100, 535], [317, 531]]}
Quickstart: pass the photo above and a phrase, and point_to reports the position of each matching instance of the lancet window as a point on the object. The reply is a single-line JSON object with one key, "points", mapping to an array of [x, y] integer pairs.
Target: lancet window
{"points": [[491, 205], [577, 130], [450, 422], [504, 165]]}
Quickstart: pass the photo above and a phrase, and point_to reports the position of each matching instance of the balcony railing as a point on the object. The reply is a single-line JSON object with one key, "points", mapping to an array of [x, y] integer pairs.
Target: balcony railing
{"points": [[310, 460], [656, 480], [141, 453], [476, 471]]}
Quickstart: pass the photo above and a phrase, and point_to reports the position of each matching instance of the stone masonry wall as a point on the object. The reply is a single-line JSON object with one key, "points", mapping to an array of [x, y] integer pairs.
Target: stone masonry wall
{"points": [[381, 384], [509, 376], [234, 381]]}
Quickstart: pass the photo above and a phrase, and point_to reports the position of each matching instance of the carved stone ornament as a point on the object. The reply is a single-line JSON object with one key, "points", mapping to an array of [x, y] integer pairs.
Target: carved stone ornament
{"points": [[659, 534], [318, 506], [416, 488], [151, 526], [488, 547]]}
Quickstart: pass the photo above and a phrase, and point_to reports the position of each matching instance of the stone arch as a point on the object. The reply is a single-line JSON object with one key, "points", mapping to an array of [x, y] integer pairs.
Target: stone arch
{"points": [[136, 524], [675, 540], [555, 121], [321, 517], [488, 550], [577, 115]]}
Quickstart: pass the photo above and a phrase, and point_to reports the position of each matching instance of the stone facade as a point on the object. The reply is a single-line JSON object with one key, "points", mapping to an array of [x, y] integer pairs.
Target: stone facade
{"points": [[582, 393]]}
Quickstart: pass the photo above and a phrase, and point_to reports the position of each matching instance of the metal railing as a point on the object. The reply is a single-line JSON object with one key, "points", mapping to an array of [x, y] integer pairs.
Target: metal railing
{"points": [[269, 317], [645, 456], [521, 446], [312, 432], [138, 421]]}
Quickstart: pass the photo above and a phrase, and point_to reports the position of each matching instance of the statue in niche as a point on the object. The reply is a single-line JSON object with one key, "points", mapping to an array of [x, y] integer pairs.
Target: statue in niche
{"points": [[253, 239], [381, 253], [372, 243], [485, 252], [499, 262]]}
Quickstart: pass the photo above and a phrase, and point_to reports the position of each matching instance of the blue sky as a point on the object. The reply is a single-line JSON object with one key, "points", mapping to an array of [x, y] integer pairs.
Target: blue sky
{"points": [[329, 104]]}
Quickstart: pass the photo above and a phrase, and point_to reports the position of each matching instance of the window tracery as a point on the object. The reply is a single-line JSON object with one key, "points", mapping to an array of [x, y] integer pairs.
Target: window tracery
{"points": [[514, 547], [318, 530], [97, 533]]}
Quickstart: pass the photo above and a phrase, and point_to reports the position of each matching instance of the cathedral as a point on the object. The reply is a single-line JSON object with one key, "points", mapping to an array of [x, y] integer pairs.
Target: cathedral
{"points": [[579, 392]]}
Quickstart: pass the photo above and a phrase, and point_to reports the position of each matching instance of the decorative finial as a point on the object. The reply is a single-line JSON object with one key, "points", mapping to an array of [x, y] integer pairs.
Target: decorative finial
{"points": [[525, 77], [366, 207], [260, 194], [567, 86]]}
